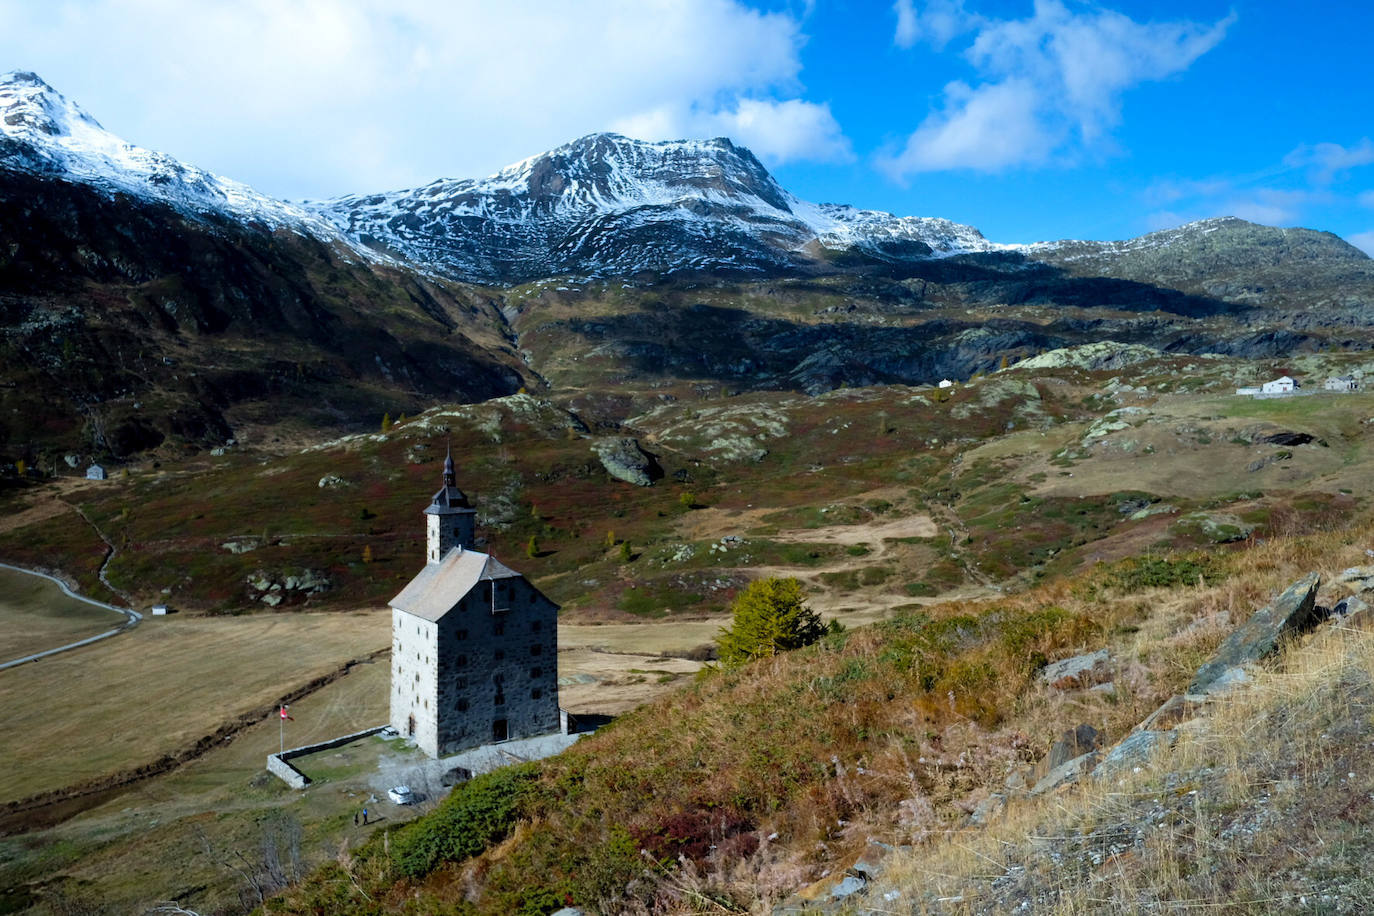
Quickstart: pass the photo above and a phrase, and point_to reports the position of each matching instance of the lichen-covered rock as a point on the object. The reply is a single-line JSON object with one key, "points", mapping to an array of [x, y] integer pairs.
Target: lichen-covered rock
{"points": [[1293, 611], [1132, 752], [1076, 672], [624, 460], [1360, 578], [1066, 773]]}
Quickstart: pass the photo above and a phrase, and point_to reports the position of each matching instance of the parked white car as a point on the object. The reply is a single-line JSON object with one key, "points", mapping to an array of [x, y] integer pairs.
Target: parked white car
{"points": [[401, 795]]}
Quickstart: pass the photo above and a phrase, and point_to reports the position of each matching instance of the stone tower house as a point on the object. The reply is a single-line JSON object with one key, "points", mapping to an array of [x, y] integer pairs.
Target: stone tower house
{"points": [[474, 646]]}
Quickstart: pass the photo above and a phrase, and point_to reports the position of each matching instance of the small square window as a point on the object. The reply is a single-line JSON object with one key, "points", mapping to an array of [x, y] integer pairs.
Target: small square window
{"points": [[500, 699], [498, 628], [536, 694], [536, 650], [498, 655], [536, 672], [462, 705], [462, 634], [536, 625], [461, 661]]}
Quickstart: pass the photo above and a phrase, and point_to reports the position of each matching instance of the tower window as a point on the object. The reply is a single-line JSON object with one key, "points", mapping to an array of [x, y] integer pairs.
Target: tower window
{"points": [[462, 634], [536, 626], [461, 661], [500, 699], [498, 628], [536, 694], [499, 655], [462, 705], [461, 683], [536, 649], [536, 672]]}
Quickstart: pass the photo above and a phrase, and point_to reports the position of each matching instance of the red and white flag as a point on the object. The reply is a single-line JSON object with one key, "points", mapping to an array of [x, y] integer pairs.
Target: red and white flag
{"points": [[284, 708]]}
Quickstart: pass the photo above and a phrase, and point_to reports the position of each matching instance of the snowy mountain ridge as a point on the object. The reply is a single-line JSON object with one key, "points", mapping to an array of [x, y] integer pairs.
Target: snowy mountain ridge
{"points": [[603, 205], [41, 131]]}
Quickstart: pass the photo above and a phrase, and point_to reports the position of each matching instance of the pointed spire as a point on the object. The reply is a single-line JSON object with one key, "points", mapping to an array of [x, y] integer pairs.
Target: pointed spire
{"points": [[450, 477]]}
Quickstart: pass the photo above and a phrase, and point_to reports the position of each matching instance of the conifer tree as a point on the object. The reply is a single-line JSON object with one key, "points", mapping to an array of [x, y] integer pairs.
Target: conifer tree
{"points": [[770, 616]]}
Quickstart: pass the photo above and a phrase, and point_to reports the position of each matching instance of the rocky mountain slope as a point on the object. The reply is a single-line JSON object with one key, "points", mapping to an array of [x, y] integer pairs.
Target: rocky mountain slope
{"points": [[611, 206], [144, 300]]}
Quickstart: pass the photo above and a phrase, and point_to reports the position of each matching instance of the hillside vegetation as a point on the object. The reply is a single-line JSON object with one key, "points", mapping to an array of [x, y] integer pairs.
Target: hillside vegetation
{"points": [[752, 783]]}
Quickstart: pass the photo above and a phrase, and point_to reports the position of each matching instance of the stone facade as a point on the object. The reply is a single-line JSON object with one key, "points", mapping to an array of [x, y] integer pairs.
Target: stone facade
{"points": [[474, 654]]}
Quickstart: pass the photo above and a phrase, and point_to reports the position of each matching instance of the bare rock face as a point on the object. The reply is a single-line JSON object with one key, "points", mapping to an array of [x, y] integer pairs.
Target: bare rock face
{"points": [[1294, 611], [624, 460]]}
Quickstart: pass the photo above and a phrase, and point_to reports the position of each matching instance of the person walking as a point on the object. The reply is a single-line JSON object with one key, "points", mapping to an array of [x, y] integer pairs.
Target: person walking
{"points": [[364, 817]]}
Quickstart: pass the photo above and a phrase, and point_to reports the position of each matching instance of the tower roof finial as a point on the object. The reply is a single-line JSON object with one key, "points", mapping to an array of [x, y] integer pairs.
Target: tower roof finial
{"points": [[450, 477]]}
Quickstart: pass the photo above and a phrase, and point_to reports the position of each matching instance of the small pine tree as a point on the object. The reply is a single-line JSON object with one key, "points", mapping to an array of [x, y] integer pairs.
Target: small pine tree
{"points": [[20, 467], [532, 548], [534, 511], [386, 422], [1005, 362], [367, 553], [626, 554], [401, 419], [610, 539], [770, 616], [688, 500]]}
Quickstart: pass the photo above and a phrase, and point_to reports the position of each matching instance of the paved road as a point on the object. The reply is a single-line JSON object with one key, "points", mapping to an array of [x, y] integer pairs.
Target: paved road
{"points": [[133, 618]]}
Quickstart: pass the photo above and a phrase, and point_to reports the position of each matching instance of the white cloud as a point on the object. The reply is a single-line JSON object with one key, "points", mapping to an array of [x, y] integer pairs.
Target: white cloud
{"points": [[938, 23], [321, 97], [1328, 162], [1065, 72], [1366, 199], [776, 132], [1189, 200], [1363, 241]]}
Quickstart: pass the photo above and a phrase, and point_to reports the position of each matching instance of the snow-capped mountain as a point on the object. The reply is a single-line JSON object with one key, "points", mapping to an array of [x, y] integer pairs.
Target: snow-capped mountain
{"points": [[42, 132], [609, 205]]}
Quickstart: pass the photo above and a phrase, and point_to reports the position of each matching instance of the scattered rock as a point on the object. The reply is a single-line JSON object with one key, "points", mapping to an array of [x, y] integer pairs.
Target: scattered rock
{"points": [[1350, 607], [987, 810], [1288, 438], [243, 546], [1292, 611], [1217, 527], [1077, 672], [1156, 509], [1074, 742], [1133, 751], [624, 460], [1066, 773], [1360, 578], [1176, 709], [1227, 680], [72, 460], [330, 481], [292, 589]]}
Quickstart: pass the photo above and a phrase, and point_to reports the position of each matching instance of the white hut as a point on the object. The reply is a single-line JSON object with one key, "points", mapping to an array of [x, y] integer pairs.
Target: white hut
{"points": [[1281, 385], [95, 472], [1342, 383]]}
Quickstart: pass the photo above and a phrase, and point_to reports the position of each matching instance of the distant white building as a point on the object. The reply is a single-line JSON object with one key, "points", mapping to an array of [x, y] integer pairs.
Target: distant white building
{"points": [[95, 472], [1282, 385], [946, 383], [1342, 383], [159, 610]]}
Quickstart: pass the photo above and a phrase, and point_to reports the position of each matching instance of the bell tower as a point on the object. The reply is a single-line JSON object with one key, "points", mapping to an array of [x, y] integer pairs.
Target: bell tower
{"points": [[449, 521]]}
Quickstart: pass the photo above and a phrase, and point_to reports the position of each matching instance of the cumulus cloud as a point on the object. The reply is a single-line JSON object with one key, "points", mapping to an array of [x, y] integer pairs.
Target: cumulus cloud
{"points": [[937, 24], [322, 97], [775, 131], [1328, 162], [1060, 75]]}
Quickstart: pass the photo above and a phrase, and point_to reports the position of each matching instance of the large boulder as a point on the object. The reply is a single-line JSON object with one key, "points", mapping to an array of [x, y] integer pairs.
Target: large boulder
{"points": [[1076, 672], [1294, 611], [624, 460]]}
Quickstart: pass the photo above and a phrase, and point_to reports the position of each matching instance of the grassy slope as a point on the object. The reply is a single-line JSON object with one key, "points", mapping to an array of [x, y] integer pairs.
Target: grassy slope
{"points": [[764, 778]]}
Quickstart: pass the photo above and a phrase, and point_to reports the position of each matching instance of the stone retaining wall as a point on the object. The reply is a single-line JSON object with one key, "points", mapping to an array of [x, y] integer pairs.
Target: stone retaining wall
{"points": [[278, 765]]}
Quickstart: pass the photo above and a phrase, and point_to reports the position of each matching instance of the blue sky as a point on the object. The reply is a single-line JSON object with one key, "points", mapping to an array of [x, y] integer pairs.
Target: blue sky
{"points": [[1033, 119]]}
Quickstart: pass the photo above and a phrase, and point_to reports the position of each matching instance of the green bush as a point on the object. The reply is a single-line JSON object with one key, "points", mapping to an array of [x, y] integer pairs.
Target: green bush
{"points": [[476, 815]]}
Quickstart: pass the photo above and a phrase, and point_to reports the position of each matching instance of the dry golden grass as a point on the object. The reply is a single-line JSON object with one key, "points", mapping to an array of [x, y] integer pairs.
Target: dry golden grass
{"points": [[127, 701], [36, 615], [1263, 805]]}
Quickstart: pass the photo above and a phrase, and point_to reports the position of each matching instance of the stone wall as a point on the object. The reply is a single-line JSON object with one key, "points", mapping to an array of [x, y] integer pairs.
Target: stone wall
{"points": [[498, 665], [414, 692], [279, 764]]}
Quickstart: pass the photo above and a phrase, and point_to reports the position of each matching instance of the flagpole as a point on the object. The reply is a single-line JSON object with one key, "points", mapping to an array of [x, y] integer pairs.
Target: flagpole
{"points": [[281, 718]]}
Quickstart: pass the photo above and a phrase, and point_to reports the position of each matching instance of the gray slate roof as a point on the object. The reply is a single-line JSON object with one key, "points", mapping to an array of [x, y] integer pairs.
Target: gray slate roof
{"points": [[439, 587]]}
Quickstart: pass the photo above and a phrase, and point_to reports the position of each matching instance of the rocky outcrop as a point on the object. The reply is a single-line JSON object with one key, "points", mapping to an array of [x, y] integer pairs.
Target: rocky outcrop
{"points": [[1076, 672], [277, 590], [1291, 612], [624, 460]]}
